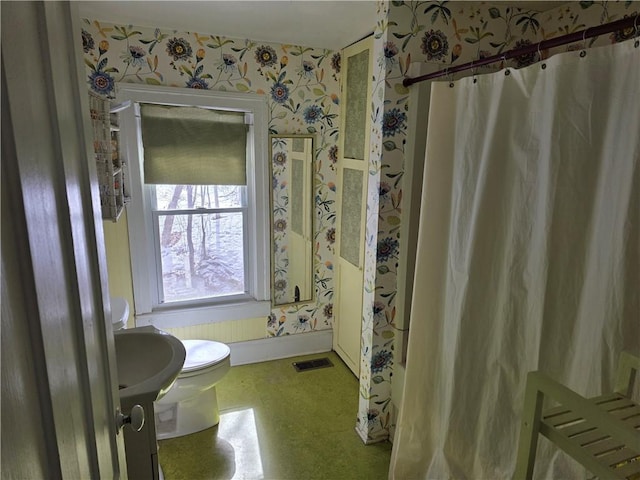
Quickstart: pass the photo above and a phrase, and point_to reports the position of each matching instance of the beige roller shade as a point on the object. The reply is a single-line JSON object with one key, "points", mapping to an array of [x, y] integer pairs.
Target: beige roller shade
{"points": [[193, 146]]}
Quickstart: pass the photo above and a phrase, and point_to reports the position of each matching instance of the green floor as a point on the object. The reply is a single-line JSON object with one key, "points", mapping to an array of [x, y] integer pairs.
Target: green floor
{"points": [[278, 424]]}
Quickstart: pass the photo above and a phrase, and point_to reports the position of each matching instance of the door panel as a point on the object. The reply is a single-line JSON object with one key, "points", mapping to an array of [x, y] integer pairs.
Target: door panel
{"points": [[56, 299], [348, 329], [23, 376], [352, 165]]}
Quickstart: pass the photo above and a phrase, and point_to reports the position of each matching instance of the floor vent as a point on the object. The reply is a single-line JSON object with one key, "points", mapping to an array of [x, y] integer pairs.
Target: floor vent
{"points": [[312, 364]]}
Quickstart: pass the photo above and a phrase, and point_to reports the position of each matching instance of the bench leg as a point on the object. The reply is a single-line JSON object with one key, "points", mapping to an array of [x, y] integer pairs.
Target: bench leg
{"points": [[529, 429], [628, 367]]}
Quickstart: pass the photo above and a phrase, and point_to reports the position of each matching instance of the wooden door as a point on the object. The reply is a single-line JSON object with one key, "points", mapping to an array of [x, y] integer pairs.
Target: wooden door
{"points": [[353, 164], [59, 386]]}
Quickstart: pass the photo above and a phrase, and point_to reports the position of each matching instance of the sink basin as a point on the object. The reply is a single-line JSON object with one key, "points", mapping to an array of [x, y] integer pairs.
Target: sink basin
{"points": [[149, 361]]}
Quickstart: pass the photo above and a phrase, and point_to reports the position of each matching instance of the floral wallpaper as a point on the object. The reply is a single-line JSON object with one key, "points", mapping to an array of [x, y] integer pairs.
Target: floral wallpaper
{"points": [[440, 34], [302, 88]]}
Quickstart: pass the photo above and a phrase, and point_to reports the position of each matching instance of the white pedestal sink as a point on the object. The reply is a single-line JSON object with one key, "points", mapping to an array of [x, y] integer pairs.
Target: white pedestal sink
{"points": [[149, 361]]}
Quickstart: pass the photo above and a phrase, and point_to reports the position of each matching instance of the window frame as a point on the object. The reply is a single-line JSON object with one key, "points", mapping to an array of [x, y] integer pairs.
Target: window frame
{"points": [[146, 272]]}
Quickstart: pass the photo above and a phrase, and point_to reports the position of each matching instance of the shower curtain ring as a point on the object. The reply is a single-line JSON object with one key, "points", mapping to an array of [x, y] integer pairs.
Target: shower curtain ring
{"points": [[584, 43], [446, 74], [544, 65], [635, 26], [504, 62], [473, 73]]}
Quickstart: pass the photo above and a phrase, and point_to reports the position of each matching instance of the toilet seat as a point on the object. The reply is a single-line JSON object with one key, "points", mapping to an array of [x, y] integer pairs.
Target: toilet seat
{"points": [[202, 354]]}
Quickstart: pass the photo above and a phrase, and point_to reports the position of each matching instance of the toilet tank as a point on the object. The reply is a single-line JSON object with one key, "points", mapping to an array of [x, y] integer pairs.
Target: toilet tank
{"points": [[119, 312]]}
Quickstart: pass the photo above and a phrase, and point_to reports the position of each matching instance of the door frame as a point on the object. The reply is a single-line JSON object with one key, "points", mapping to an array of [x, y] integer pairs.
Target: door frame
{"points": [[55, 293]]}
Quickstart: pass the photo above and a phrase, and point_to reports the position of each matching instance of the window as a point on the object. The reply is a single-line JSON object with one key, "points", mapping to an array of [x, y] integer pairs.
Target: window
{"points": [[198, 220], [200, 234]]}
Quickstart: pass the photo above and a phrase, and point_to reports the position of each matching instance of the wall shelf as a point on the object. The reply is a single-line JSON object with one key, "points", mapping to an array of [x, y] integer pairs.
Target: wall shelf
{"points": [[111, 167]]}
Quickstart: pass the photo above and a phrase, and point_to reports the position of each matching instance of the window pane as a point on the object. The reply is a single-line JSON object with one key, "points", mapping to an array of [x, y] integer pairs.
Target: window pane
{"points": [[183, 197], [356, 107], [202, 255]]}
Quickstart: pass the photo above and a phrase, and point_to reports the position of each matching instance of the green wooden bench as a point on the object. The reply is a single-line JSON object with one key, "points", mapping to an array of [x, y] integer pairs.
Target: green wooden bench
{"points": [[602, 433]]}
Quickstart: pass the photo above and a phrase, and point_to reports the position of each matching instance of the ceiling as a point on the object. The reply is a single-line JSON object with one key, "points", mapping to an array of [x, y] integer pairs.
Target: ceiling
{"points": [[315, 23]]}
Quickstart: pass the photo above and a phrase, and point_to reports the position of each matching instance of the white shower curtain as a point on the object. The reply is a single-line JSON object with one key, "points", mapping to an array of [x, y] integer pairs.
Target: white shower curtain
{"points": [[528, 258]]}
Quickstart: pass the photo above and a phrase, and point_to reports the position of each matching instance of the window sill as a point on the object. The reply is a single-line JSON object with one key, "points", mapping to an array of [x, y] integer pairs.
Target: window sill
{"points": [[189, 316]]}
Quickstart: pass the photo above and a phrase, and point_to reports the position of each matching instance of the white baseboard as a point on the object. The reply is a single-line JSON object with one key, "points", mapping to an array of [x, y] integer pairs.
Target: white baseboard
{"points": [[274, 348]]}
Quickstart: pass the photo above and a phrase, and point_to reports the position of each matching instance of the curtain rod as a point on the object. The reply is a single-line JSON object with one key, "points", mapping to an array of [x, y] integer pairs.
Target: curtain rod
{"points": [[628, 22]]}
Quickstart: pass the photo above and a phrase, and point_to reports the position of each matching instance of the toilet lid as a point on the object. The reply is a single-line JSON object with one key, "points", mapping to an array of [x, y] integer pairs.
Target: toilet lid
{"points": [[203, 353]]}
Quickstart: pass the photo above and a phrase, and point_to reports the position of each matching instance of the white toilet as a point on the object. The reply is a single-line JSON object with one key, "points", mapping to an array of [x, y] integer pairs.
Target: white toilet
{"points": [[191, 404], [119, 313]]}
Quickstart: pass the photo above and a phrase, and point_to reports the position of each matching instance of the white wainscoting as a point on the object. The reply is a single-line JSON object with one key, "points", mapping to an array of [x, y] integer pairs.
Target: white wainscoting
{"points": [[273, 348]]}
